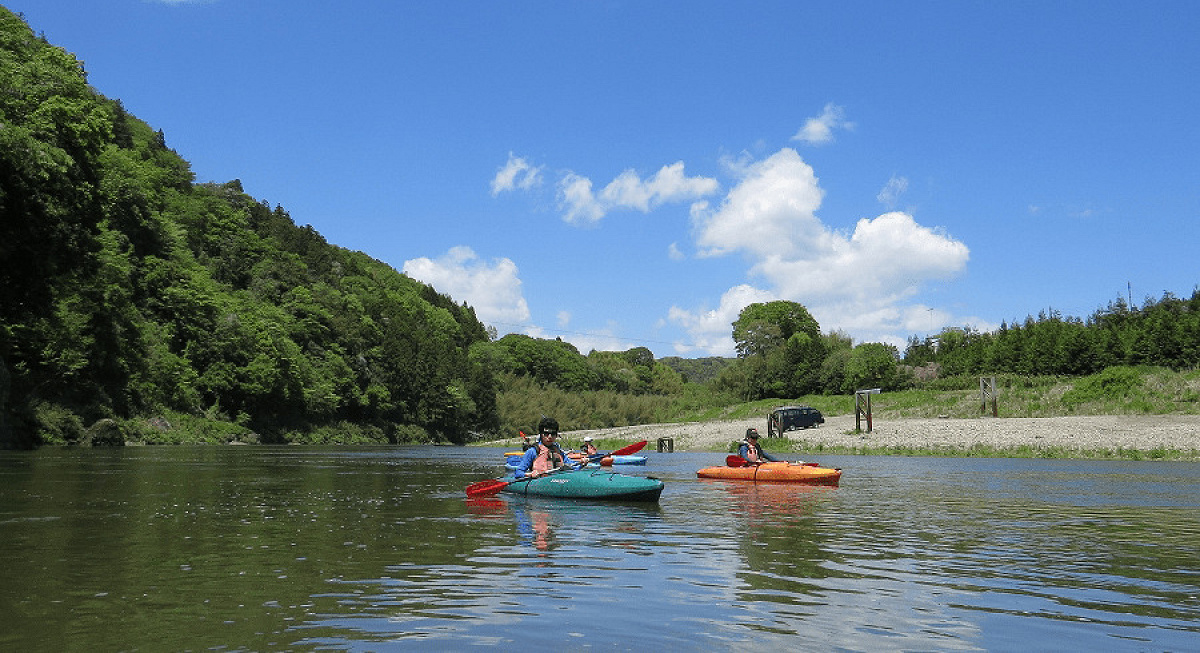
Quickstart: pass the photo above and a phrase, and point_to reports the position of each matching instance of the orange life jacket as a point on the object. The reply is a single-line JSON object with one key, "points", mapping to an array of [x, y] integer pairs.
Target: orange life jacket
{"points": [[548, 458]]}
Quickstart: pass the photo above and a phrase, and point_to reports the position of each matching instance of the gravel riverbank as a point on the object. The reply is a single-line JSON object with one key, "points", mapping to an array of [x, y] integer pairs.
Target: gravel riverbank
{"points": [[1065, 435]]}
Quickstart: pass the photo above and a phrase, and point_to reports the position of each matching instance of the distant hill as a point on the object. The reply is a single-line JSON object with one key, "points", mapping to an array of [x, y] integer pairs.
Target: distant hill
{"points": [[698, 370]]}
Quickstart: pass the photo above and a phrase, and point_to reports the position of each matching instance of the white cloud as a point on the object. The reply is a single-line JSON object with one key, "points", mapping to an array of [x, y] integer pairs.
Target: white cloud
{"points": [[493, 290], [629, 191], [859, 281], [577, 201], [668, 185], [517, 173], [891, 192], [819, 130], [711, 331], [855, 282], [886, 258], [771, 211]]}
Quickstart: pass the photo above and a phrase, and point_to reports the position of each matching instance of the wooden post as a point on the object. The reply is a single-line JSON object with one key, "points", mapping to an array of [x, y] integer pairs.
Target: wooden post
{"points": [[862, 407], [987, 391]]}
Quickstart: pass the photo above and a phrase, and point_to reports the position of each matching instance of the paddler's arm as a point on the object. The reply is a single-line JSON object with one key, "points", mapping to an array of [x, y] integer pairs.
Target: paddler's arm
{"points": [[526, 463]]}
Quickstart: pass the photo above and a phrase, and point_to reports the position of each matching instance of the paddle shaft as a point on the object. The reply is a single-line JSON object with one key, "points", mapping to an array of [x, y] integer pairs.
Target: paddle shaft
{"points": [[733, 460]]}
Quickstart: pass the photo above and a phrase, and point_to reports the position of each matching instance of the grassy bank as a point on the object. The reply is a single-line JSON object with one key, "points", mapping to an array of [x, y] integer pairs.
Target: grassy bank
{"points": [[1116, 391], [805, 448]]}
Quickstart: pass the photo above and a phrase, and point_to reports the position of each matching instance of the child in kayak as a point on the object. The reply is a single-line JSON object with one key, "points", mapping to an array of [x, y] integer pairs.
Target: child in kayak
{"points": [[752, 452], [588, 449], [545, 455]]}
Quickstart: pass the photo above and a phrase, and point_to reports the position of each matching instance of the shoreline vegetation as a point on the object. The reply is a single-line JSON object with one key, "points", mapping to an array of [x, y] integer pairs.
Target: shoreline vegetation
{"points": [[1099, 437], [1124, 413]]}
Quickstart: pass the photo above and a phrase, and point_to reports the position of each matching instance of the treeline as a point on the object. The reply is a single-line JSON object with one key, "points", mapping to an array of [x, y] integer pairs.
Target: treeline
{"points": [[129, 291], [782, 353], [1163, 332], [602, 389]]}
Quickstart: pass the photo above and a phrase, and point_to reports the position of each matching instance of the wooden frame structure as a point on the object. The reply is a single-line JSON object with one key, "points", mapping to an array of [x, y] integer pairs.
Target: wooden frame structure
{"points": [[862, 407], [987, 392]]}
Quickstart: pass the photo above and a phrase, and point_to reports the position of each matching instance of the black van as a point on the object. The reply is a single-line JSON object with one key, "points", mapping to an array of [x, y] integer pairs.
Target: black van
{"points": [[787, 418]]}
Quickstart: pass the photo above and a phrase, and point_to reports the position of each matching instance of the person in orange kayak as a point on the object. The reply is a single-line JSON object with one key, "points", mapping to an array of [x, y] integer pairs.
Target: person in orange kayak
{"points": [[752, 452], [588, 449], [545, 455]]}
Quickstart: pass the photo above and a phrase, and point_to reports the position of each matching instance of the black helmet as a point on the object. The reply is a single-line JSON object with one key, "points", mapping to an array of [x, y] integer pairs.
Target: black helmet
{"points": [[752, 433], [548, 424]]}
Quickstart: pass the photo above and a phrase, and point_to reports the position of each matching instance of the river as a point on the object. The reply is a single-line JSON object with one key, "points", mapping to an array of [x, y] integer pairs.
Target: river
{"points": [[378, 548]]}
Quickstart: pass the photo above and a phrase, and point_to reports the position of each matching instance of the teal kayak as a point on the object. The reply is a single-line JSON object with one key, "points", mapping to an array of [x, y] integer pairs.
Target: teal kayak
{"points": [[588, 484]]}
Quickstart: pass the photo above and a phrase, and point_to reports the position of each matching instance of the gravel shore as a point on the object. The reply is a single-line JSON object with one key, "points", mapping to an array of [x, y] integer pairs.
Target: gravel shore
{"points": [[1066, 435]]}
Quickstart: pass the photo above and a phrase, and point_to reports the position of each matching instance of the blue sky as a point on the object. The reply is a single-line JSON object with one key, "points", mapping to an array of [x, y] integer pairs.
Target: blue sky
{"points": [[623, 174]]}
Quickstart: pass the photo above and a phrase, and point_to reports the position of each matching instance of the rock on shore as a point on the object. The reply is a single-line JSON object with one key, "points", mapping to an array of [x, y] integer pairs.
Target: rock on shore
{"points": [[1082, 434]]}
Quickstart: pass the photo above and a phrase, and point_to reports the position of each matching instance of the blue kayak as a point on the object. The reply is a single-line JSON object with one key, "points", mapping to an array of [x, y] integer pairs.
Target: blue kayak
{"points": [[513, 462], [588, 484]]}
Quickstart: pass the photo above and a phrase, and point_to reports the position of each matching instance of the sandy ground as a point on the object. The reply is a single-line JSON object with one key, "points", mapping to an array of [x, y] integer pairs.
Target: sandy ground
{"points": [[1090, 433]]}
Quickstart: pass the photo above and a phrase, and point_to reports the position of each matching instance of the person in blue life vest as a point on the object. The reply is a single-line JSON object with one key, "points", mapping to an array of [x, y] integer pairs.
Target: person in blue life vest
{"points": [[545, 455], [752, 452]]}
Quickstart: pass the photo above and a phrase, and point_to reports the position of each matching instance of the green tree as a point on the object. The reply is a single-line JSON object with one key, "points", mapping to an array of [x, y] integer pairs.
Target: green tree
{"points": [[872, 365], [781, 346]]}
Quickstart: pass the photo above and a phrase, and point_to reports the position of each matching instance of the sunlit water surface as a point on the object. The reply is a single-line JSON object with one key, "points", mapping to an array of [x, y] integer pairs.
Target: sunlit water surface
{"points": [[365, 549]]}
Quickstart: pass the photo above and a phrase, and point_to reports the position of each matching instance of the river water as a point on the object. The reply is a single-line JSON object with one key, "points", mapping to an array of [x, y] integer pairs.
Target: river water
{"points": [[377, 548]]}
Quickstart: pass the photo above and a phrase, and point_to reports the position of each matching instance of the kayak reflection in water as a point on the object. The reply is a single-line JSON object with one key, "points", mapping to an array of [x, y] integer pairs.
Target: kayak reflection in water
{"points": [[752, 451], [546, 455]]}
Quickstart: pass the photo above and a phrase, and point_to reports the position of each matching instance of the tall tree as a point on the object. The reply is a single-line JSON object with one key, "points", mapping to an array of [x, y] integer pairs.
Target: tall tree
{"points": [[783, 343]]}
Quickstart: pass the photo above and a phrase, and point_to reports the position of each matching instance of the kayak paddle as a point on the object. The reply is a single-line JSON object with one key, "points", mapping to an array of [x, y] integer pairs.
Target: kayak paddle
{"points": [[492, 486], [734, 460], [626, 450], [489, 487]]}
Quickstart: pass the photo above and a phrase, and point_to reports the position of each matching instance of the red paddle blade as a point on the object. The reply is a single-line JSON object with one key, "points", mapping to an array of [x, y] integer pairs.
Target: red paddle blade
{"points": [[735, 461], [485, 488], [629, 449]]}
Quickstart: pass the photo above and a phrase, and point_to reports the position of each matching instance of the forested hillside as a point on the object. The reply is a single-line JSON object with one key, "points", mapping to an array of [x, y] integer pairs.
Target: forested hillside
{"points": [[133, 299]]}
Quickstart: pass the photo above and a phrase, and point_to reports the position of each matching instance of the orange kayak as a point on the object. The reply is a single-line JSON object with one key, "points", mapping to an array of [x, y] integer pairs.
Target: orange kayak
{"points": [[781, 472]]}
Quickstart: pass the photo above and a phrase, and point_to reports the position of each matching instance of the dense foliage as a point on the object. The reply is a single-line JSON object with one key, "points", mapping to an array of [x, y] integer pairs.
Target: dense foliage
{"points": [[129, 291], [780, 357], [782, 353], [1163, 332]]}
